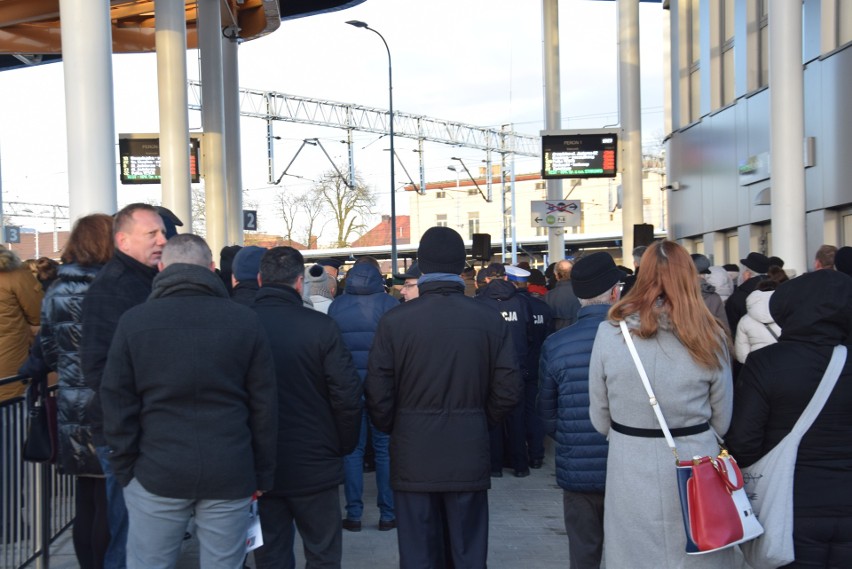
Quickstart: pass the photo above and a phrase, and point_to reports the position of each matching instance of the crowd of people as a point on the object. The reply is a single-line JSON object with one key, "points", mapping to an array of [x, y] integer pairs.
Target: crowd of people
{"points": [[186, 391]]}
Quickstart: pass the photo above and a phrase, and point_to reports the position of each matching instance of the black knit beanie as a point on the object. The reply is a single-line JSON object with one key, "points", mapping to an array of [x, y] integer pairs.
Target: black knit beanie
{"points": [[441, 251]]}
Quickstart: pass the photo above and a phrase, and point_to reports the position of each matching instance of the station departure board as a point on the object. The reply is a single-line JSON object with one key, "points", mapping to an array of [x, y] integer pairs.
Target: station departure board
{"points": [[139, 157], [579, 155]]}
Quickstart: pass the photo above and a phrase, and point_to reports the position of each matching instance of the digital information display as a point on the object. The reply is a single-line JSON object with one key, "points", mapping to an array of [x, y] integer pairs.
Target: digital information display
{"points": [[579, 155], [139, 156]]}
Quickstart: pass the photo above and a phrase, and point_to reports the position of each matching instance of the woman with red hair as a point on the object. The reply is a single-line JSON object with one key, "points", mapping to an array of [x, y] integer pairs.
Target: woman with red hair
{"points": [[685, 352]]}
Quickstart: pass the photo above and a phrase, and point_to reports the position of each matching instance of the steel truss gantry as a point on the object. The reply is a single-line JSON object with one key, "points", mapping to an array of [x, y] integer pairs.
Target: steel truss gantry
{"points": [[273, 106]]}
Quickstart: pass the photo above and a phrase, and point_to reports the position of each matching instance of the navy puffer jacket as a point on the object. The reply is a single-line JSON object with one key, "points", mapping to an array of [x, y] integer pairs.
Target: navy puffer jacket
{"points": [[564, 403], [357, 312], [61, 329]]}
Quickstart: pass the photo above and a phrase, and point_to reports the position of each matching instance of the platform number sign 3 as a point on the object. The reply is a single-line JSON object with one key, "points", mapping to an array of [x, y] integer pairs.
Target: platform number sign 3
{"points": [[12, 234], [250, 220]]}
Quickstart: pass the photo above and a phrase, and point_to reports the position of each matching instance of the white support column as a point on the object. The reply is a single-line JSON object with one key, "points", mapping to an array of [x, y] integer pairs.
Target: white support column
{"points": [[90, 111], [630, 109], [714, 246], [552, 118], [787, 134], [234, 172], [213, 121], [174, 115]]}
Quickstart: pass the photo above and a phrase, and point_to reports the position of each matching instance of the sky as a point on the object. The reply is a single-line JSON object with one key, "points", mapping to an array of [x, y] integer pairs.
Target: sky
{"points": [[478, 62]]}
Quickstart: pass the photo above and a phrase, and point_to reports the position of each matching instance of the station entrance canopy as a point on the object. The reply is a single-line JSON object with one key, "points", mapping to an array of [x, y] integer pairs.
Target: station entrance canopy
{"points": [[30, 29]]}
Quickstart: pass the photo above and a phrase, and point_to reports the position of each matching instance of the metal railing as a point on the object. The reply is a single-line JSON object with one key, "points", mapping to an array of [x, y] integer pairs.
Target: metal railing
{"points": [[36, 501]]}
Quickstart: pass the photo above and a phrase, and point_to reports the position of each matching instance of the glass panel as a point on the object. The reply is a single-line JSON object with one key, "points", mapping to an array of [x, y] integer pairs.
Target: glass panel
{"points": [[728, 77]]}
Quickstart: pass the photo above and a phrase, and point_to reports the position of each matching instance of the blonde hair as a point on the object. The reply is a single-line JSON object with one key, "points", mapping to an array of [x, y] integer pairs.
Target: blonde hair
{"points": [[667, 285]]}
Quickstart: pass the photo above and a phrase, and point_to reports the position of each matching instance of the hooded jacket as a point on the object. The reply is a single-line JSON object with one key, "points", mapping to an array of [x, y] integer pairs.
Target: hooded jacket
{"points": [[502, 296], [721, 281], [358, 311], [189, 395], [20, 305], [61, 329], [814, 311], [756, 329]]}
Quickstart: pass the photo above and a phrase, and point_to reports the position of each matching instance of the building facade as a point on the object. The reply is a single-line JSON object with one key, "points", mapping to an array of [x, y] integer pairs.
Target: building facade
{"points": [[719, 119], [461, 205]]}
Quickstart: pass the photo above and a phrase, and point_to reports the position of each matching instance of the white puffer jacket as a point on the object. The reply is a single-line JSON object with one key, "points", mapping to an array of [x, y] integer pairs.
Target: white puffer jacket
{"points": [[753, 330]]}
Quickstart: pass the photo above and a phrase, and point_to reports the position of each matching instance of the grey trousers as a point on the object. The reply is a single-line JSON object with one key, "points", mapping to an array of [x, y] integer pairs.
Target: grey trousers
{"points": [[584, 514], [158, 524]]}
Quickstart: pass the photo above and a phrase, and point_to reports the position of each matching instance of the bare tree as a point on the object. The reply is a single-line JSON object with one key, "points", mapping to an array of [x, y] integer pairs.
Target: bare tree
{"points": [[287, 206], [199, 218], [350, 207], [313, 205]]}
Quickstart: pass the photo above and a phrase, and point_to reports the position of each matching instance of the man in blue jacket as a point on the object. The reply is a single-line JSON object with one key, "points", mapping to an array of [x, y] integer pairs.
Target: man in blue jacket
{"points": [[564, 403], [357, 312]]}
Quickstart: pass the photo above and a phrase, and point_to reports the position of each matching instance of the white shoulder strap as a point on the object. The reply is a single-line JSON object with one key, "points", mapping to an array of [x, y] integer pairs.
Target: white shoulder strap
{"points": [[826, 385], [651, 398]]}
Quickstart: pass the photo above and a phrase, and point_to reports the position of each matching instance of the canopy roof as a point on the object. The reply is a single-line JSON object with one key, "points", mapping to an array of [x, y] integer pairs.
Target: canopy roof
{"points": [[30, 29]]}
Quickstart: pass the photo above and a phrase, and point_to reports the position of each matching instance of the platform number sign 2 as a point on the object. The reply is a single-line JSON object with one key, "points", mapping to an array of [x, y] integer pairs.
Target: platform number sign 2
{"points": [[11, 234], [250, 220]]}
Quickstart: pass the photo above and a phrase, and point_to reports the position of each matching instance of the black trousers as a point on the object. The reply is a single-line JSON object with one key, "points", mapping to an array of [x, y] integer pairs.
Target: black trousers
{"points": [[442, 530], [317, 516], [822, 542], [91, 530], [584, 513]]}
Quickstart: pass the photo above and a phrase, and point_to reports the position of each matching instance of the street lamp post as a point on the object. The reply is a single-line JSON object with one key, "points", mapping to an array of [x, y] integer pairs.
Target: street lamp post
{"points": [[360, 24], [457, 196]]}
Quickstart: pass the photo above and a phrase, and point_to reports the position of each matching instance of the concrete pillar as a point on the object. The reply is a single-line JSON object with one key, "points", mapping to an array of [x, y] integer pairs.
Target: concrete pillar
{"points": [[715, 244], [90, 111], [787, 134], [213, 122], [552, 116], [630, 109], [234, 171], [174, 115]]}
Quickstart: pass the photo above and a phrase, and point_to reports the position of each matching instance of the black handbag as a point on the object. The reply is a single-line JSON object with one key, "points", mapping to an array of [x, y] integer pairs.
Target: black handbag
{"points": [[41, 442]]}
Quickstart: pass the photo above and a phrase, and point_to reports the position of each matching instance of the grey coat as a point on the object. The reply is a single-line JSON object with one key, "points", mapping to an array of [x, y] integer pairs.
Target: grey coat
{"points": [[643, 526]]}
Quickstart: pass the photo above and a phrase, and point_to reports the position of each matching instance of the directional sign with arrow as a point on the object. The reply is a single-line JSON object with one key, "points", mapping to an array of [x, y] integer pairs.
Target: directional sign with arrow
{"points": [[555, 213]]}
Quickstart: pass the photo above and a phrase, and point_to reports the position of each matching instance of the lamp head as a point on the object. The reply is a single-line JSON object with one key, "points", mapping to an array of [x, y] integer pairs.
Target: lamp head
{"points": [[357, 23]]}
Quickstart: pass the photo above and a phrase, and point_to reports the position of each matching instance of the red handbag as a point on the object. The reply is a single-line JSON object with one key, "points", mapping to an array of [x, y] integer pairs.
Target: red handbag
{"points": [[714, 520]]}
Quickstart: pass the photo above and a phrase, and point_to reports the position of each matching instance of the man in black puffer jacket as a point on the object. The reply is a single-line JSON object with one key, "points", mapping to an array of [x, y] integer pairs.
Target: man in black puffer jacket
{"points": [[319, 418], [441, 371]]}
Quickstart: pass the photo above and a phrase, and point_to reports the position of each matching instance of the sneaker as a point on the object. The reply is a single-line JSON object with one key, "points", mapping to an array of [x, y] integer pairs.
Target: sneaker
{"points": [[351, 525], [387, 525], [522, 473]]}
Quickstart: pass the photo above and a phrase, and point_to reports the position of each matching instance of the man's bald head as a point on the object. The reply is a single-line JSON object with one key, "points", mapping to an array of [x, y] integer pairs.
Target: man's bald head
{"points": [[562, 270]]}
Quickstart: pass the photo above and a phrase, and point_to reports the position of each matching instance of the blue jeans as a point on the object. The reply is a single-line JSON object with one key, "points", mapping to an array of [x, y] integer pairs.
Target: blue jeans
{"points": [[353, 470], [116, 554]]}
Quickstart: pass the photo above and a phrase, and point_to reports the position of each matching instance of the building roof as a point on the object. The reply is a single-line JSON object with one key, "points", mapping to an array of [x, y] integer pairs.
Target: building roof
{"points": [[380, 234]]}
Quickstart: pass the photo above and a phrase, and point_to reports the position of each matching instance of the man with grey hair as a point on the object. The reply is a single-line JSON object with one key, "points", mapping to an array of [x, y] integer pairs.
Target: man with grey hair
{"points": [[581, 451], [190, 413], [562, 300]]}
